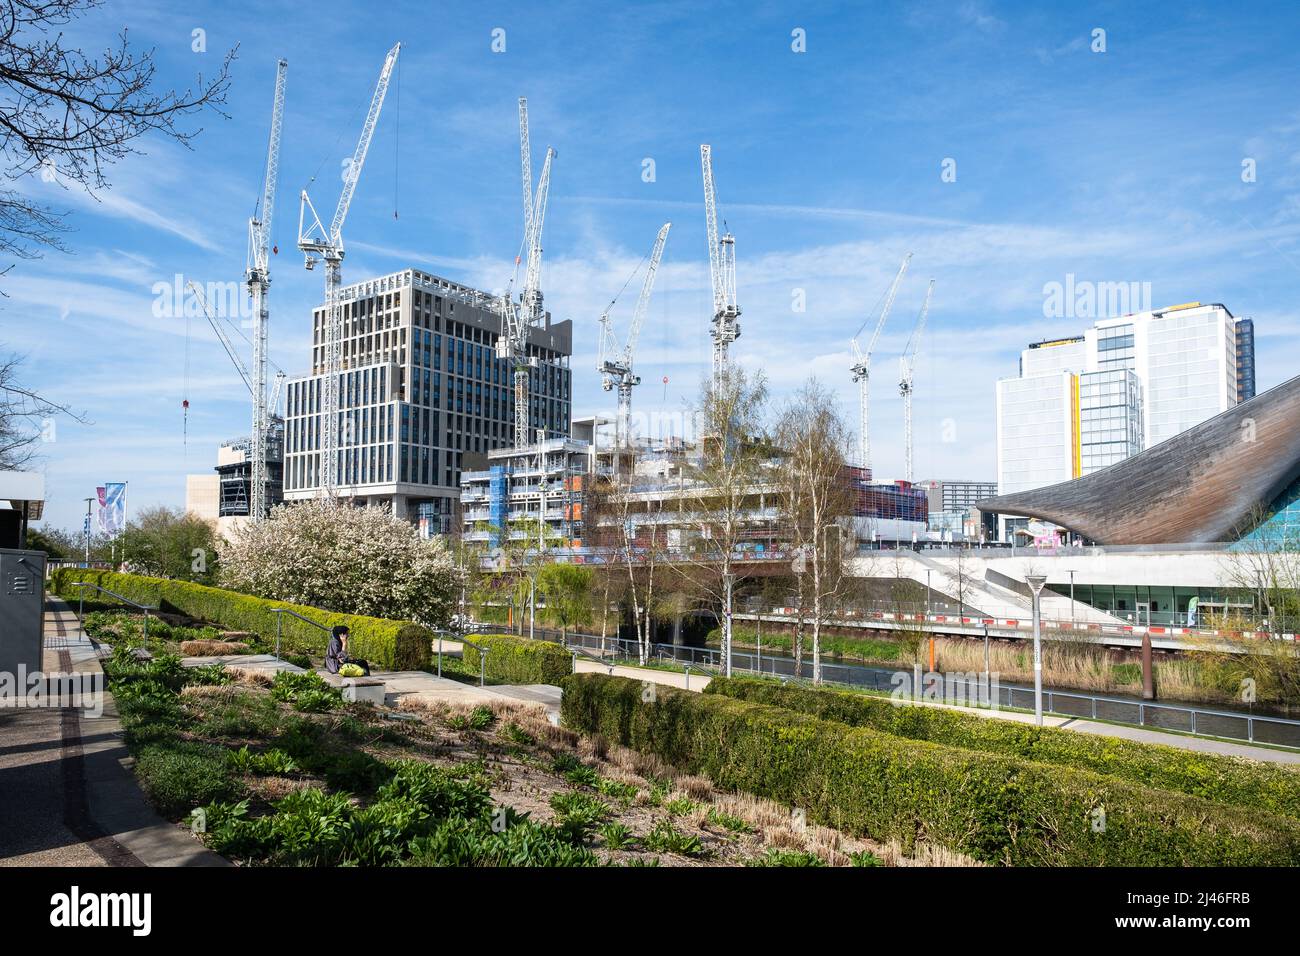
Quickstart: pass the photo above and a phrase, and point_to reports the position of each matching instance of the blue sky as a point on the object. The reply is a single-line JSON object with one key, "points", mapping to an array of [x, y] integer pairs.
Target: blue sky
{"points": [[1122, 165]]}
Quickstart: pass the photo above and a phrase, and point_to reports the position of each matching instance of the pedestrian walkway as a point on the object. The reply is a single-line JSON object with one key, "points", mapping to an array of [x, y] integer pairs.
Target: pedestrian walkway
{"points": [[70, 796]]}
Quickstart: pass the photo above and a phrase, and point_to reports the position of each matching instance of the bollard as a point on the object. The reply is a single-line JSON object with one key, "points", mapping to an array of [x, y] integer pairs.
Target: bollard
{"points": [[440, 654]]}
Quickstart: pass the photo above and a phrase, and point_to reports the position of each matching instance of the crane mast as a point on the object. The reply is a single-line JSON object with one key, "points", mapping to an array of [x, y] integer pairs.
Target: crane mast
{"points": [[520, 318], [615, 365], [907, 363], [724, 325], [861, 368], [315, 241], [257, 281]]}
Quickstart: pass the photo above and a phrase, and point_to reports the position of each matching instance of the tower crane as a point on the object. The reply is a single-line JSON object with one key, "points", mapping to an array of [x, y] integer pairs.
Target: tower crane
{"points": [[257, 280], [615, 365], [907, 362], [316, 241], [724, 325], [521, 317], [245, 376], [861, 367]]}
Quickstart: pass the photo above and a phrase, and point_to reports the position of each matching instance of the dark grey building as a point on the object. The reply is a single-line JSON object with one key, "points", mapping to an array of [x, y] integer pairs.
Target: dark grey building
{"points": [[1245, 359], [957, 495], [420, 389]]}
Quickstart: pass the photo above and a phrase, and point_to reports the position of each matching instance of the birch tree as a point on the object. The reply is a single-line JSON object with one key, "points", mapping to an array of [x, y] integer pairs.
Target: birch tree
{"points": [[817, 500], [723, 484]]}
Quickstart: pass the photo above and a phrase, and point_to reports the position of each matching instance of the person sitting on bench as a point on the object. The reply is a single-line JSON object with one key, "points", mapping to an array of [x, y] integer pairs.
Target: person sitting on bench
{"points": [[337, 653]]}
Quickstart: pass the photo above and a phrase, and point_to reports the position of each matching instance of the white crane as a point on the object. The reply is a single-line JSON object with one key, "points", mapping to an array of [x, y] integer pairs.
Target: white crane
{"points": [[907, 363], [615, 365], [861, 367], [520, 318], [257, 280], [316, 241], [724, 325], [245, 376]]}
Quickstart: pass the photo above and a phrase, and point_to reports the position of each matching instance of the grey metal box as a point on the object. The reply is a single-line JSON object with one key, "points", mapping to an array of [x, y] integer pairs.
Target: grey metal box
{"points": [[22, 609]]}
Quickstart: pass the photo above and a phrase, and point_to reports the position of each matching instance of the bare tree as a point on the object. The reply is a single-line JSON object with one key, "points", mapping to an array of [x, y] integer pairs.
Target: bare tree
{"points": [[26, 418], [721, 486], [816, 498], [959, 577], [69, 116], [641, 538]]}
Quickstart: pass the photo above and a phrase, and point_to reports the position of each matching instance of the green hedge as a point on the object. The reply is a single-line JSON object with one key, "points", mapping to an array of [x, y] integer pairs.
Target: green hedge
{"points": [[517, 660], [391, 645], [1228, 780], [994, 808]]}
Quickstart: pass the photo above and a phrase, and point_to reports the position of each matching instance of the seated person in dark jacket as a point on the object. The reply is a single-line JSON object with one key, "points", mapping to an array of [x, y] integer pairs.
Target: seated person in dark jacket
{"points": [[337, 653]]}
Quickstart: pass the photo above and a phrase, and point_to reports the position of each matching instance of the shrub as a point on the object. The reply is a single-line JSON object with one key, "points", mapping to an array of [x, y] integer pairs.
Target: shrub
{"points": [[352, 560], [1226, 780], [617, 836], [398, 645], [517, 660], [775, 857], [995, 808], [517, 734], [665, 838], [288, 686], [180, 776], [462, 842]]}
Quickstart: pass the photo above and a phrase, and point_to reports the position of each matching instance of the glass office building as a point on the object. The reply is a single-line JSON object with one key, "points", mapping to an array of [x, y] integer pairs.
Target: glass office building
{"points": [[421, 388]]}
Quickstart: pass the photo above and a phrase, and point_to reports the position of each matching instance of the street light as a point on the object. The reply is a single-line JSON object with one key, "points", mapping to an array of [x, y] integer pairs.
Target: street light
{"points": [[89, 501], [1071, 573], [1036, 582], [927, 617]]}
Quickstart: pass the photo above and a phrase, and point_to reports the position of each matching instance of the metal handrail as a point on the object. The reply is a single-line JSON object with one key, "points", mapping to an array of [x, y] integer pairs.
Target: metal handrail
{"points": [[81, 608], [482, 654], [279, 624]]}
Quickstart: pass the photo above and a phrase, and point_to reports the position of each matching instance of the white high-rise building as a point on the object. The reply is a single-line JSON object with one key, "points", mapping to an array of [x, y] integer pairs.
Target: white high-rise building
{"points": [[1086, 402]]}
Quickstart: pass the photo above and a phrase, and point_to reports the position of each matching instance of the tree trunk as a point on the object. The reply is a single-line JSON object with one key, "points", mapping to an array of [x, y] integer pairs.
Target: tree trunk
{"points": [[727, 588], [817, 611], [798, 631]]}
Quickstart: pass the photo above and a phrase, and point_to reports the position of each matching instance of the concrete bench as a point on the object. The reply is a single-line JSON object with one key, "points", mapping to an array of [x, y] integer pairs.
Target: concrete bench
{"points": [[365, 690]]}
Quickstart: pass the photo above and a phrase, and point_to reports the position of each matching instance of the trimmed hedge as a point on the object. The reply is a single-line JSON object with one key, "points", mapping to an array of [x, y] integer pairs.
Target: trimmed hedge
{"points": [[517, 660], [1227, 780], [994, 808], [391, 645]]}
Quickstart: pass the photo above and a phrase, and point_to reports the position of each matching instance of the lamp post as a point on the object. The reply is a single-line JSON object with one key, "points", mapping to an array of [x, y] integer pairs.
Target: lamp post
{"points": [[1036, 582], [1071, 572], [89, 501]]}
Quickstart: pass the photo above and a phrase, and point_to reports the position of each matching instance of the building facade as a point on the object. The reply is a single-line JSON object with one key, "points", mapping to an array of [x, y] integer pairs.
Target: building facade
{"points": [[421, 387], [1245, 359], [1084, 403]]}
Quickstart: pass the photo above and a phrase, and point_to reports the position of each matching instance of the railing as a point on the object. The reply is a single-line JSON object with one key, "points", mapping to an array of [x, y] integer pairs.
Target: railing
{"points": [[279, 624], [482, 654], [1178, 718], [81, 608]]}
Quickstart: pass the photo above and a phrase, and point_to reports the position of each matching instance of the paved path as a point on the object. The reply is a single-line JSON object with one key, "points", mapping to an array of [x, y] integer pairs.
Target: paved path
{"points": [[69, 796]]}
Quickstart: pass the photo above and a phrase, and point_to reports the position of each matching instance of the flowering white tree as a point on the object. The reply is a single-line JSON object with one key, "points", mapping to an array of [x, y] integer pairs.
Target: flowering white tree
{"points": [[344, 559]]}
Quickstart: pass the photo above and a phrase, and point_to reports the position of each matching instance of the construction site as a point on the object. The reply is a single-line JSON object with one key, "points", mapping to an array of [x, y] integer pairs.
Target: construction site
{"points": [[452, 407]]}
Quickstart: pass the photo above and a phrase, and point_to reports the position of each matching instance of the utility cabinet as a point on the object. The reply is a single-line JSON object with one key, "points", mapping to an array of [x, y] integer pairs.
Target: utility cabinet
{"points": [[22, 609]]}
